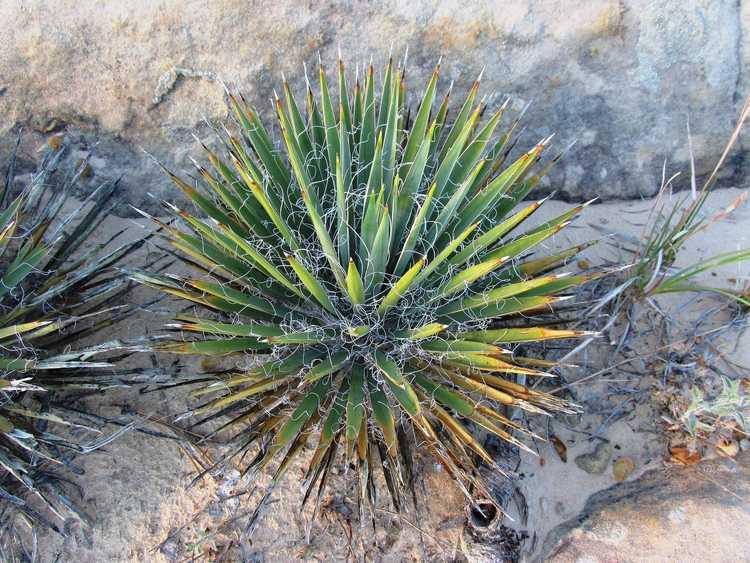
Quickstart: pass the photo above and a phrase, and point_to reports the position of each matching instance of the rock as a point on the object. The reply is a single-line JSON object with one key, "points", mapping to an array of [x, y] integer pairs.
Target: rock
{"points": [[699, 512], [595, 462], [622, 468], [135, 81], [500, 545]]}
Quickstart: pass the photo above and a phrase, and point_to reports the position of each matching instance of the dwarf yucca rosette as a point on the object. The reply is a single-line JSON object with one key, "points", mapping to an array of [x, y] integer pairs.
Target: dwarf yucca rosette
{"points": [[372, 258]]}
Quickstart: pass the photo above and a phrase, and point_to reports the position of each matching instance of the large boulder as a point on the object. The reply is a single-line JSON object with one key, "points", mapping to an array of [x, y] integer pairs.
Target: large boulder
{"points": [[134, 80], [698, 513]]}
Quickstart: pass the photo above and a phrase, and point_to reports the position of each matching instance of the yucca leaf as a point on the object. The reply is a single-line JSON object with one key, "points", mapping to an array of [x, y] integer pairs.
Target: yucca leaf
{"points": [[357, 112], [546, 263], [487, 363], [329, 120], [417, 137], [505, 308], [261, 142], [327, 366], [466, 277], [440, 119], [498, 294], [358, 331], [355, 406], [411, 184], [17, 330], [445, 253], [487, 197], [296, 122], [390, 139], [389, 369], [494, 234], [206, 205], [8, 215], [400, 287], [249, 209], [450, 159], [473, 152], [368, 131], [214, 347], [309, 337], [425, 331], [236, 297], [211, 327], [354, 284], [375, 271], [373, 207], [315, 288], [270, 209], [22, 266], [331, 424], [459, 404], [16, 364], [386, 95], [561, 282], [211, 300], [417, 227], [261, 261], [342, 212], [346, 112], [458, 127], [259, 387], [217, 260], [446, 214], [325, 239], [243, 209], [305, 409], [563, 218], [446, 346], [461, 434], [383, 414], [406, 397]]}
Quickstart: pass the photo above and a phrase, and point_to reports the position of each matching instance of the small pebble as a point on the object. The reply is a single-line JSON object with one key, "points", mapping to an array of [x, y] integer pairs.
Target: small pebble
{"points": [[597, 461], [622, 468]]}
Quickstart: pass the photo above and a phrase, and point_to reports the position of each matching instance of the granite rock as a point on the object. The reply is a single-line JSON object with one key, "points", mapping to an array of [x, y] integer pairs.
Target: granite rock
{"points": [[143, 80], [696, 513]]}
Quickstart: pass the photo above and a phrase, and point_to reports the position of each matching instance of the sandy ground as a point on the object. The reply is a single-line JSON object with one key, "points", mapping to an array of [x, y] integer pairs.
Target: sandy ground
{"points": [[136, 489]]}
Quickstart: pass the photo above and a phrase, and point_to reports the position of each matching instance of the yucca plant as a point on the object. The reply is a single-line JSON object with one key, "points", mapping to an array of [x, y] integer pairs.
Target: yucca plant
{"points": [[53, 292], [372, 260]]}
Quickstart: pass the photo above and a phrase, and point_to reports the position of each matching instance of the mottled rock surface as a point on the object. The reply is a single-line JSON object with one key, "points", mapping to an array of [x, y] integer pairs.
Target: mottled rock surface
{"points": [[700, 513], [130, 78]]}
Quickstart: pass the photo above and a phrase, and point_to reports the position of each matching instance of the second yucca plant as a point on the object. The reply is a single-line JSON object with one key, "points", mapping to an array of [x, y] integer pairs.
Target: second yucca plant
{"points": [[373, 261], [53, 292]]}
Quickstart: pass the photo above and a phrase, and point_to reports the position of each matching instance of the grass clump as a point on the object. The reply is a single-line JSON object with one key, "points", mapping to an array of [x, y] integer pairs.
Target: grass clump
{"points": [[670, 227], [698, 389], [375, 262]]}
